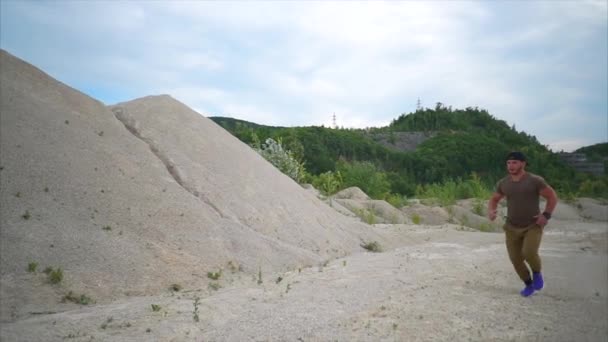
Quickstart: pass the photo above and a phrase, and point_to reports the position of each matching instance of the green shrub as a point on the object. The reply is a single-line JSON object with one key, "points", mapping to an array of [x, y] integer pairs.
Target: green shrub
{"points": [[416, 219], [156, 307], [396, 200], [366, 176], [55, 276], [328, 183], [31, 267]]}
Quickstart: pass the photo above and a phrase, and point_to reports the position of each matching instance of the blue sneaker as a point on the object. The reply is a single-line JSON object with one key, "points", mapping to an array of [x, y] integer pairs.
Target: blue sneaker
{"points": [[527, 291], [538, 281]]}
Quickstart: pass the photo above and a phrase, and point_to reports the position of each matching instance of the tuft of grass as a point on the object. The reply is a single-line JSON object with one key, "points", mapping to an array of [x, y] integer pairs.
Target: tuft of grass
{"points": [[279, 279], [156, 307], [366, 215], [48, 270], [215, 286], [232, 266], [416, 218], [55, 276], [372, 246], [31, 267], [175, 287], [82, 299], [18, 194], [26, 215], [214, 275], [107, 228]]}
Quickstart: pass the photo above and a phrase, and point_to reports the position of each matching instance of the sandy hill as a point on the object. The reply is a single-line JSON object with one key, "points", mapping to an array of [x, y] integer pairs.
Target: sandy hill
{"points": [[130, 199]]}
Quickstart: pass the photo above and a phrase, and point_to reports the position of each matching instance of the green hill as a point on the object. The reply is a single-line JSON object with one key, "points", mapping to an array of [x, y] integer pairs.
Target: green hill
{"points": [[457, 144]]}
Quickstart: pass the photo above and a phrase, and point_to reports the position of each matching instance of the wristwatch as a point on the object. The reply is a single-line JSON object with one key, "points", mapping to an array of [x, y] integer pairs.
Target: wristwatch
{"points": [[547, 215]]}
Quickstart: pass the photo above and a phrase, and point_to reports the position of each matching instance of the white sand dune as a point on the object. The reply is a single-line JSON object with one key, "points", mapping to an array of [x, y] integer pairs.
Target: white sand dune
{"points": [[131, 199]]}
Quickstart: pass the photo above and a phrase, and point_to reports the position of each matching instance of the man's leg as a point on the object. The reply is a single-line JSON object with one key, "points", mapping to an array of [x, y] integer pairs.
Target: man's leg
{"points": [[531, 244], [514, 239], [515, 242]]}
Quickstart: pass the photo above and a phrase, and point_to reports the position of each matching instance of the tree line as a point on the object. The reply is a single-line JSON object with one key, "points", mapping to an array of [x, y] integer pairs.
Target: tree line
{"points": [[466, 142]]}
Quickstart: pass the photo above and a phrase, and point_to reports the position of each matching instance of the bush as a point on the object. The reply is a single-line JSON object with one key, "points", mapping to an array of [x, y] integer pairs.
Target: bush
{"points": [[328, 183], [282, 159], [55, 276], [366, 176]]}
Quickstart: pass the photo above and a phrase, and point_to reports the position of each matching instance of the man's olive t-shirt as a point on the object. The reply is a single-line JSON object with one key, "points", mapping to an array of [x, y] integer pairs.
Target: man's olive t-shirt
{"points": [[523, 198]]}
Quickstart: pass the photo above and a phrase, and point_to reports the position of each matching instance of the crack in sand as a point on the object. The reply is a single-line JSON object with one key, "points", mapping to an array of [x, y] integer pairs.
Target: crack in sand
{"points": [[132, 126]]}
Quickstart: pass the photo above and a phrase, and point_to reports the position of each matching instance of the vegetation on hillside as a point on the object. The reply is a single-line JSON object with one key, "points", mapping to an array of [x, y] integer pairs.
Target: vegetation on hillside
{"points": [[465, 143]]}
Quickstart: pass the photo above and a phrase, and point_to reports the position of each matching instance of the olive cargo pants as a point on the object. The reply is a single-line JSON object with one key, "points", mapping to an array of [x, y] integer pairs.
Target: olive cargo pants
{"points": [[523, 245]]}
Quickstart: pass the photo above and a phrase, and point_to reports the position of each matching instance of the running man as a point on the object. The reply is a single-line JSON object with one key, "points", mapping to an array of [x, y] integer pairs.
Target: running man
{"points": [[525, 222]]}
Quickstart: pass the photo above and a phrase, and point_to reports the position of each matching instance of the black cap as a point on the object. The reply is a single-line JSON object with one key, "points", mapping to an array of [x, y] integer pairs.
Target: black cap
{"points": [[516, 155]]}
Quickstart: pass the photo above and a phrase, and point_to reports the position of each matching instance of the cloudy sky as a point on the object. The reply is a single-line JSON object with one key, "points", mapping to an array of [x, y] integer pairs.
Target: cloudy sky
{"points": [[541, 66]]}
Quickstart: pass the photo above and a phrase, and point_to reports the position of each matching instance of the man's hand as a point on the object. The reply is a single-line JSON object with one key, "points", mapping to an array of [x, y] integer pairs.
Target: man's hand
{"points": [[541, 220]]}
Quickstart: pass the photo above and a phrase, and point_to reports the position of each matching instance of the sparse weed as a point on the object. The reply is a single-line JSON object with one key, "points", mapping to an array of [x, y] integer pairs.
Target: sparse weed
{"points": [[478, 206], [48, 270], [233, 267], [372, 246], [107, 228], [18, 194], [464, 220], [416, 219], [31, 267], [214, 275], [26, 215], [104, 325], [156, 307], [82, 299], [195, 317], [367, 215], [279, 279], [260, 276], [175, 287], [215, 286]]}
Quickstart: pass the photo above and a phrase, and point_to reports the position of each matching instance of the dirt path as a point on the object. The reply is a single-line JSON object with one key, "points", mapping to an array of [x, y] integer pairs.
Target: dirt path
{"points": [[446, 285]]}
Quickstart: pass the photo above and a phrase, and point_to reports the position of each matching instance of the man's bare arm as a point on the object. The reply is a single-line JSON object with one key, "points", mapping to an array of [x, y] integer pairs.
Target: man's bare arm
{"points": [[493, 203], [549, 194]]}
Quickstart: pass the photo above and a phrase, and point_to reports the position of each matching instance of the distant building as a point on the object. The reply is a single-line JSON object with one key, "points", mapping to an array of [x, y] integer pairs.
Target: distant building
{"points": [[580, 163]]}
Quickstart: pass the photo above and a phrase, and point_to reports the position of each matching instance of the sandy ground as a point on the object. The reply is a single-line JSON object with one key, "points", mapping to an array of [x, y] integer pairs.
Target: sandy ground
{"points": [[445, 284]]}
